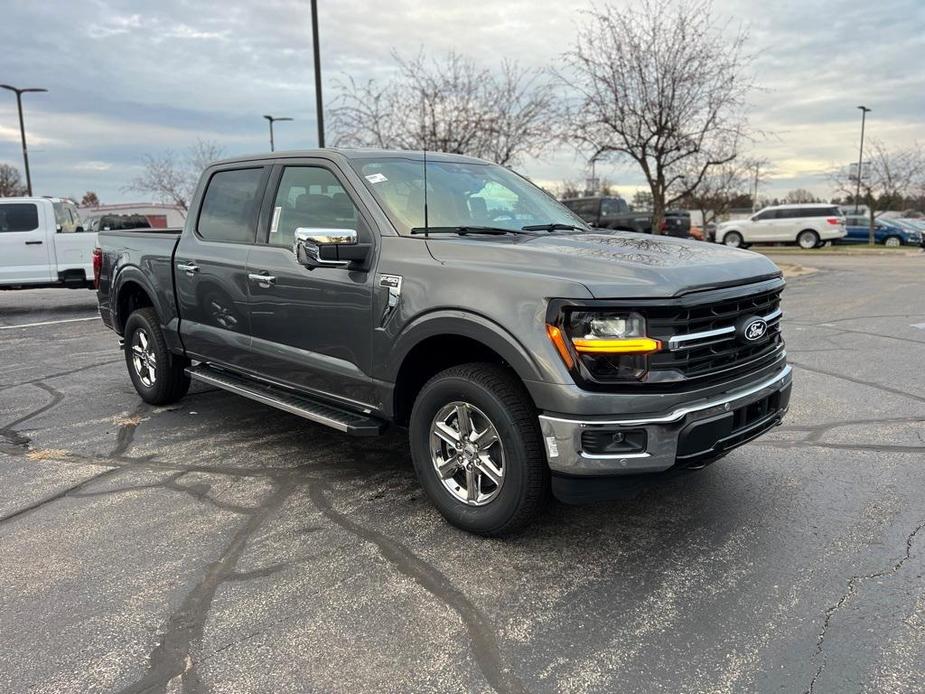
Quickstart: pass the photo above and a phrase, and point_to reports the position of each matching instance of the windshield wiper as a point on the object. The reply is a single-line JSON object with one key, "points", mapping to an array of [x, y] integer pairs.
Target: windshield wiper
{"points": [[553, 227], [463, 230]]}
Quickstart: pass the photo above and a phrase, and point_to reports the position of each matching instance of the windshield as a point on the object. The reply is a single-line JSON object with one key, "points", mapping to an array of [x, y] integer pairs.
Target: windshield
{"points": [[459, 194]]}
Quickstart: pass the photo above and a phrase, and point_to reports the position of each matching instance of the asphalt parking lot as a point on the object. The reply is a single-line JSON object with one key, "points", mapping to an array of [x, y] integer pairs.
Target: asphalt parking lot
{"points": [[220, 545]]}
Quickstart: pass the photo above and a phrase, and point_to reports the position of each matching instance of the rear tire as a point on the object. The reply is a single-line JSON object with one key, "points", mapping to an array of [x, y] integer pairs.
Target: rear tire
{"points": [[733, 239], [159, 376], [808, 239], [456, 412]]}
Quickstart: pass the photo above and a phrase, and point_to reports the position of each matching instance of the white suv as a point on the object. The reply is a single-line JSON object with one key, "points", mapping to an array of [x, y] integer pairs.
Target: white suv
{"points": [[807, 225]]}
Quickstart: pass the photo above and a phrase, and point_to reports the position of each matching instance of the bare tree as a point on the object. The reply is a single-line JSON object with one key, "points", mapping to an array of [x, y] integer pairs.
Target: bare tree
{"points": [[800, 195], [90, 199], [11, 185], [891, 177], [721, 189], [448, 105], [663, 83], [172, 178]]}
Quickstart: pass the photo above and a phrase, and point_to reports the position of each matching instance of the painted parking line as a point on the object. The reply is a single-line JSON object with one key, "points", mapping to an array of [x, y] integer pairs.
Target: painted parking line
{"points": [[920, 326], [48, 322]]}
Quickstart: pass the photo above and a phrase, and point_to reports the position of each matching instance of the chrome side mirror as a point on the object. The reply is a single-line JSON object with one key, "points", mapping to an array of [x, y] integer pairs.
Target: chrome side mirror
{"points": [[308, 245]]}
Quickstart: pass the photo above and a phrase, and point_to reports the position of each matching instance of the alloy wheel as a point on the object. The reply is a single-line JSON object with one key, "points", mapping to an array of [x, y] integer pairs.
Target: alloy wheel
{"points": [[467, 453], [143, 358]]}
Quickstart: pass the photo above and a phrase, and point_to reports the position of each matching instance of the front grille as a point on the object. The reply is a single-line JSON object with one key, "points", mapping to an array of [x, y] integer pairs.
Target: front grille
{"points": [[702, 340]]}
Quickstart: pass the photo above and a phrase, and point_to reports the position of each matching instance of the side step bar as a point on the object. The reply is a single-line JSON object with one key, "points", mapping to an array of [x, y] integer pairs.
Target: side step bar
{"points": [[335, 417]]}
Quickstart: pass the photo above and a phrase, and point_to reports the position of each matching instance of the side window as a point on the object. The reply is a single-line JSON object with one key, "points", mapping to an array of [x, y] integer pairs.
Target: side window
{"points": [[309, 197], [229, 207], [18, 216], [762, 216], [62, 218], [612, 207]]}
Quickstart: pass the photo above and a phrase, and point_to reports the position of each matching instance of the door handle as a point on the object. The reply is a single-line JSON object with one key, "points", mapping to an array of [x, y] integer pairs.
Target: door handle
{"points": [[189, 268], [33, 243], [263, 280]]}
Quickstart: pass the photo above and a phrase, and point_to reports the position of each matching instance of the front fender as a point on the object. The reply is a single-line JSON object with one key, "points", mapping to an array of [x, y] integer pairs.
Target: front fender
{"points": [[529, 364]]}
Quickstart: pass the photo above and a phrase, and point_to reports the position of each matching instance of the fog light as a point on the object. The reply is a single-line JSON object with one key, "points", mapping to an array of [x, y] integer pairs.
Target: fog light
{"points": [[613, 442]]}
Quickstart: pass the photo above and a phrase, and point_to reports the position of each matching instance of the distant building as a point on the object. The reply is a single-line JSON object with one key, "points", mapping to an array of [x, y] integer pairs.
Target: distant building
{"points": [[158, 216]]}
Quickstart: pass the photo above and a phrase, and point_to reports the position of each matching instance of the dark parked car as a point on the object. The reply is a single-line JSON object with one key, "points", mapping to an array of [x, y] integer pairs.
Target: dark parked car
{"points": [[611, 212], [888, 232], [523, 351]]}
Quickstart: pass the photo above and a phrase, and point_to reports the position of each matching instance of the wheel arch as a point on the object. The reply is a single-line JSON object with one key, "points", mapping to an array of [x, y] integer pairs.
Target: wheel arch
{"points": [[132, 290], [444, 339]]}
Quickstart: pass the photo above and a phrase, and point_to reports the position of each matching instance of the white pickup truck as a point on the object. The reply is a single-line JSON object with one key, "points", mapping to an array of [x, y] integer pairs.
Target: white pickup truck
{"points": [[43, 244]]}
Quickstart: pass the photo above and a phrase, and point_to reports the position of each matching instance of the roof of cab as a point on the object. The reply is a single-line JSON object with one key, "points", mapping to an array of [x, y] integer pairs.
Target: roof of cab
{"points": [[355, 154]]}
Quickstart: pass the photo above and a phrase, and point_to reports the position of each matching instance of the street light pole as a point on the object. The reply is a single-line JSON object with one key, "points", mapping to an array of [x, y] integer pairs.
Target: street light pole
{"points": [[857, 194], [270, 120], [22, 129], [317, 48]]}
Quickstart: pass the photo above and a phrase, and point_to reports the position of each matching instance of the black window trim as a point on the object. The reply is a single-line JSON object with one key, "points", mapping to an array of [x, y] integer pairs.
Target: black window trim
{"points": [[261, 191]]}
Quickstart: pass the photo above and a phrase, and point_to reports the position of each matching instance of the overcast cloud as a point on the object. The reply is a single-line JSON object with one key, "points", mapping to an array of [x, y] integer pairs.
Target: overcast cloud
{"points": [[127, 78]]}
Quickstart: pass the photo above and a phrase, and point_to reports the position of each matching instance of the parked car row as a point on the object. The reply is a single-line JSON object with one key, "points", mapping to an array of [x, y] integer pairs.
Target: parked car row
{"points": [[807, 225]]}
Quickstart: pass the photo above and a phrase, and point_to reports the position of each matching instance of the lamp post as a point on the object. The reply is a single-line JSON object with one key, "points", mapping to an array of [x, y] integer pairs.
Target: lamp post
{"points": [[857, 194], [271, 120], [317, 49], [22, 128]]}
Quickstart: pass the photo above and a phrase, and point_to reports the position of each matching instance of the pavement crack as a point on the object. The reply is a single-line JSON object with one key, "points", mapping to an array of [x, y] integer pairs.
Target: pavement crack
{"points": [[19, 440], [172, 657], [860, 382], [69, 372], [481, 632], [59, 495], [853, 583]]}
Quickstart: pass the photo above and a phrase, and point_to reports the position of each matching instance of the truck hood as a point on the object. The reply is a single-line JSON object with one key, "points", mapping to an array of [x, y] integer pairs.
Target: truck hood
{"points": [[611, 264]]}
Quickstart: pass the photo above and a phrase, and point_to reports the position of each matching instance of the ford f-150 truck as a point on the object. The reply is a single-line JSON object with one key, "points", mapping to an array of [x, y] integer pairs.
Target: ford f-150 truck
{"points": [[43, 244], [523, 351]]}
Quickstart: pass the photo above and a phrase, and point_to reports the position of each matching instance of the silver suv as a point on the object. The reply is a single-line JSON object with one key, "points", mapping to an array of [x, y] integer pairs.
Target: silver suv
{"points": [[808, 225]]}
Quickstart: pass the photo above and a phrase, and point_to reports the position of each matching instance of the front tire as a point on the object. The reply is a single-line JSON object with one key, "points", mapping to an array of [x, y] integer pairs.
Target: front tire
{"points": [[807, 239], [159, 376], [892, 242], [733, 239], [477, 449]]}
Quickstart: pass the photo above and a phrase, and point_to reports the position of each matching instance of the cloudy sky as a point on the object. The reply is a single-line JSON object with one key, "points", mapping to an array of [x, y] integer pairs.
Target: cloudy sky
{"points": [[127, 77]]}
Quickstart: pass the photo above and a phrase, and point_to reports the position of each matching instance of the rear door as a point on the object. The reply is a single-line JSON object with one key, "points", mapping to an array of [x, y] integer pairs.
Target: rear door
{"points": [[210, 266], [24, 248], [312, 328]]}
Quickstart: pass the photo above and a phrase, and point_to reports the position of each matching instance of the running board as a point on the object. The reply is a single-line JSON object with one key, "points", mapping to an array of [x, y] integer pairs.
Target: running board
{"points": [[354, 423]]}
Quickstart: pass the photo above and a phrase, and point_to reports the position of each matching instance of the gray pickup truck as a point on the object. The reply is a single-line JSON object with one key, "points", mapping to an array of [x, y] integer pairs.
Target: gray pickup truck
{"points": [[523, 351]]}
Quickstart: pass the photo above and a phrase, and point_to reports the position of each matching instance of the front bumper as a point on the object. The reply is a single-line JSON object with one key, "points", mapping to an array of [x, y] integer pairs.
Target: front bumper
{"points": [[691, 434]]}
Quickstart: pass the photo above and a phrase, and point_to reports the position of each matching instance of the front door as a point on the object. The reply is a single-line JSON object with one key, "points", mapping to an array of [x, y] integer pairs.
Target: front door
{"points": [[312, 328], [25, 250], [210, 267]]}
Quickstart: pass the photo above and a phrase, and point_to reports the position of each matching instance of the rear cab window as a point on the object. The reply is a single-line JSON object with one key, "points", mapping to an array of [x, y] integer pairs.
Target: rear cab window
{"points": [[19, 216], [230, 206]]}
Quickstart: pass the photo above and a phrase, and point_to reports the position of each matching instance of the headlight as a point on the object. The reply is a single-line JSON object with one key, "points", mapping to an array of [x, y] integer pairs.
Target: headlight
{"points": [[611, 345]]}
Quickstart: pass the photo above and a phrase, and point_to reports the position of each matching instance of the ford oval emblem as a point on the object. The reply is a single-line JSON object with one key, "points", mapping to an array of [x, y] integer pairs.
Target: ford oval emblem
{"points": [[755, 329]]}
